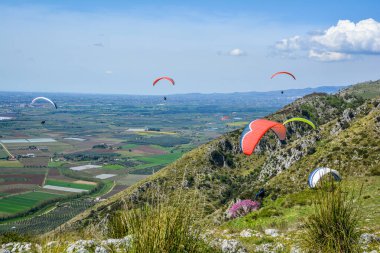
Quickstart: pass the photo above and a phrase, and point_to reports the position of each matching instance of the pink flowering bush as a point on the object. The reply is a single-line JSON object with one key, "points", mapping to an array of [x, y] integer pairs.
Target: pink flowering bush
{"points": [[243, 207]]}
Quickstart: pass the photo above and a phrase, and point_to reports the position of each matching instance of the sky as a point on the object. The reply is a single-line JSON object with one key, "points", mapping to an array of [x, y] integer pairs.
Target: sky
{"points": [[120, 47]]}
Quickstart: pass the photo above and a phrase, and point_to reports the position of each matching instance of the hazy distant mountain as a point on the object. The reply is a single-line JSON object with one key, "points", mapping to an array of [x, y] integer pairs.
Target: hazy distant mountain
{"points": [[286, 93]]}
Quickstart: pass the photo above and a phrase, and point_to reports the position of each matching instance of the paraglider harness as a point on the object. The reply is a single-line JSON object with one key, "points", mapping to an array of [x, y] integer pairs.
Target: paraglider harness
{"points": [[260, 194]]}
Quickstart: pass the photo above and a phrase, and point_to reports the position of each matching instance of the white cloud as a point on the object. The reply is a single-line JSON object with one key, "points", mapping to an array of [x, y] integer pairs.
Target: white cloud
{"points": [[108, 72], [348, 37], [339, 42], [289, 44], [237, 52], [328, 56]]}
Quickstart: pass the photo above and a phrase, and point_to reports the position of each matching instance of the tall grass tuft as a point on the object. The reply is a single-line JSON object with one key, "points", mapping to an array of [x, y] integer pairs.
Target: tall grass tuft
{"points": [[166, 224], [334, 224]]}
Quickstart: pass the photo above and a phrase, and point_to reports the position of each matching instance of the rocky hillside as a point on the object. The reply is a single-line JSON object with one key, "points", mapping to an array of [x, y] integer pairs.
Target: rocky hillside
{"points": [[346, 139]]}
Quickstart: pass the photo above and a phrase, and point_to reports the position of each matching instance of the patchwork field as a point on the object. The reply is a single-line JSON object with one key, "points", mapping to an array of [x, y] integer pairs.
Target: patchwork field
{"points": [[36, 179], [10, 164], [64, 189], [157, 160], [69, 184], [83, 133], [23, 202]]}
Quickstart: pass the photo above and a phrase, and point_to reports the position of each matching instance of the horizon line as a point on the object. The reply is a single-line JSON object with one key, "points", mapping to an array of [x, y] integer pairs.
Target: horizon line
{"points": [[174, 94]]}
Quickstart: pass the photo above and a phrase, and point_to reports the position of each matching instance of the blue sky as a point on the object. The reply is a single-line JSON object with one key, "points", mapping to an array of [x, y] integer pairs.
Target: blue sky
{"points": [[206, 46]]}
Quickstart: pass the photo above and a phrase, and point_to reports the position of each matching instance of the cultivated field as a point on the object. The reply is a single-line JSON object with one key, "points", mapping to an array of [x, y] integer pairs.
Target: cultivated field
{"points": [[23, 202]]}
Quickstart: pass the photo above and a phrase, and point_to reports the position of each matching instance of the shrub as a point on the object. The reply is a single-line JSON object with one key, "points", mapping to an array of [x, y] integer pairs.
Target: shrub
{"points": [[243, 207], [333, 226], [375, 171], [167, 224], [15, 237]]}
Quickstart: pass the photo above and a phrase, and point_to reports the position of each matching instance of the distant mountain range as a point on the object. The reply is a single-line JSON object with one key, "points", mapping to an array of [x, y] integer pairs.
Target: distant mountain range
{"points": [[289, 92]]}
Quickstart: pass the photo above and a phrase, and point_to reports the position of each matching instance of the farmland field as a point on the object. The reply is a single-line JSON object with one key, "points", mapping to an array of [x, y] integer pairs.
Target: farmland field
{"points": [[10, 164], [155, 160], [23, 202], [113, 167], [69, 184]]}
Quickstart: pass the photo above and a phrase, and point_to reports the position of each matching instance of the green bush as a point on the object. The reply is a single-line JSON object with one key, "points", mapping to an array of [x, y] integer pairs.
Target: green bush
{"points": [[167, 224], [375, 171], [334, 224], [15, 237]]}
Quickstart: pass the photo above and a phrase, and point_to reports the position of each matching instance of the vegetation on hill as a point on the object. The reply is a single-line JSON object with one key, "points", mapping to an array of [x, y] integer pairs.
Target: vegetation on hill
{"points": [[346, 139]]}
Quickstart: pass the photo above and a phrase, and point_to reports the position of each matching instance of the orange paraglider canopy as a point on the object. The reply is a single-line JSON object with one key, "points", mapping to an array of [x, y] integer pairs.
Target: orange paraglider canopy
{"points": [[255, 130], [283, 73], [164, 77]]}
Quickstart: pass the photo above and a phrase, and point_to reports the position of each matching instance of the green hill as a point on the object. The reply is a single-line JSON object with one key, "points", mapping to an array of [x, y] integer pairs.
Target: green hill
{"points": [[346, 139]]}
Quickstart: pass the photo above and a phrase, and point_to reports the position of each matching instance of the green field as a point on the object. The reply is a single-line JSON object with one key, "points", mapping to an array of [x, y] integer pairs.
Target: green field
{"points": [[128, 146], [237, 123], [10, 164], [55, 164], [3, 154], [22, 202], [113, 167], [69, 184], [156, 160]]}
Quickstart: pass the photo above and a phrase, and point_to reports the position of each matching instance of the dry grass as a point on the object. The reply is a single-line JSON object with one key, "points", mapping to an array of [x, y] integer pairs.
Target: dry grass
{"points": [[334, 225]]}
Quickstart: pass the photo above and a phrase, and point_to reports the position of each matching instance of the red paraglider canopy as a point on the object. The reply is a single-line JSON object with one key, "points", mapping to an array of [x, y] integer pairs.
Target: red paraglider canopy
{"points": [[255, 130], [283, 72], [164, 77]]}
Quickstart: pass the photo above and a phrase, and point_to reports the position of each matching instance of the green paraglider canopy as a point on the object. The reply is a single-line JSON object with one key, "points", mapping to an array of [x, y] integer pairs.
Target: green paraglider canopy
{"points": [[300, 119]]}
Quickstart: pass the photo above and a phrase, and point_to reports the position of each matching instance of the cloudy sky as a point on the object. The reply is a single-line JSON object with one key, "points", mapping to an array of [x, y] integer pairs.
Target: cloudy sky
{"points": [[206, 46]]}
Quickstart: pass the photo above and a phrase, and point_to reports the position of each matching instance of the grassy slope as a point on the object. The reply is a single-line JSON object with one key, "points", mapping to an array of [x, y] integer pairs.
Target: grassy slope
{"points": [[353, 151]]}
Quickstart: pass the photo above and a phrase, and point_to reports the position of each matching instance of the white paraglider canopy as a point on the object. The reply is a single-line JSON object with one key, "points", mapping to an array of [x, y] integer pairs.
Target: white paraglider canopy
{"points": [[318, 173]]}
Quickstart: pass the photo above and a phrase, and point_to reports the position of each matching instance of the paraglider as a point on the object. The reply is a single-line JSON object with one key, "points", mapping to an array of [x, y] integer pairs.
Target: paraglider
{"points": [[260, 194], [171, 80], [301, 120], [283, 73], [255, 130], [318, 173], [46, 99]]}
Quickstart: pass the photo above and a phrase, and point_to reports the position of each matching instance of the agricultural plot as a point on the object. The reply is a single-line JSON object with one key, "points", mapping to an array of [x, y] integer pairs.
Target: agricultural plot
{"points": [[237, 124], [67, 184], [10, 164], [85, 167], [33, 140], [3, 153], [35, 161], [23, 202], [50, 220], [113, 167], [64, 189], [16, 188], [54, 173], [18, 180], [157, 160], [8, 179], [105, 176]]}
